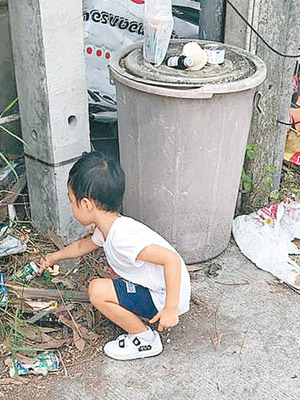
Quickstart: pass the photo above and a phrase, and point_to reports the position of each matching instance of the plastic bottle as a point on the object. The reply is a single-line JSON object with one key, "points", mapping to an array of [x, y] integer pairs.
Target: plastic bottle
{"points": [[158, 24], [179, 62]]}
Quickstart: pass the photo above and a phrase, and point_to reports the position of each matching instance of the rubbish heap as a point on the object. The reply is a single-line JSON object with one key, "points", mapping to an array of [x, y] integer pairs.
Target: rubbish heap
{"points": [[46, 321]]}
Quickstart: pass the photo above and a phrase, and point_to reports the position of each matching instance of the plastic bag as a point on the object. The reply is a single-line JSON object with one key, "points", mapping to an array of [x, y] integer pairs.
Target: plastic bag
{"points": [[158, 25], [265, 237], [11, 244]]}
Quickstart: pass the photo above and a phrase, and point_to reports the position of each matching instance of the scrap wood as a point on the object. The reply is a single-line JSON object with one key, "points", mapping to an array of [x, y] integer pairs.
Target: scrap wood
{"points": [[41, 305], [42, 313], [37, 293], [11, 198]]}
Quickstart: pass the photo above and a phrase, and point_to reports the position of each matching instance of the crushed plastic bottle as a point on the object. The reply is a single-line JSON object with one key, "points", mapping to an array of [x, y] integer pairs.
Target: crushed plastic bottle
{"points": [[26, 273]]}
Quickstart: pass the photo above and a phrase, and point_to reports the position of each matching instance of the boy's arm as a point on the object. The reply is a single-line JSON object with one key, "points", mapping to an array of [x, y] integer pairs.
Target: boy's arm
{"points": [[171, 263], [74, 250]]}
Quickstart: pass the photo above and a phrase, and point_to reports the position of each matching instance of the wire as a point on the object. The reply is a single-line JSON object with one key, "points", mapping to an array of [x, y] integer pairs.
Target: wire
{"points": [[288, 123], [261, 38]]}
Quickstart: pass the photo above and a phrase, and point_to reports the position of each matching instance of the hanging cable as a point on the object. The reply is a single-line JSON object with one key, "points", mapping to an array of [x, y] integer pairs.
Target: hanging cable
{"points": [[261, 38], [288, 123]]}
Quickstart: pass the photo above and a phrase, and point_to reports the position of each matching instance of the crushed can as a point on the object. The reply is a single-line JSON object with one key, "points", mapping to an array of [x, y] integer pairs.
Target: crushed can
{"points": [[3, 291], [44, 363], [26, 273]]}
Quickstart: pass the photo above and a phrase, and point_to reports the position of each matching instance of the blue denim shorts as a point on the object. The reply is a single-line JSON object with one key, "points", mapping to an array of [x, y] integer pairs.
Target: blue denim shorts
{"points": [[135, 298]]}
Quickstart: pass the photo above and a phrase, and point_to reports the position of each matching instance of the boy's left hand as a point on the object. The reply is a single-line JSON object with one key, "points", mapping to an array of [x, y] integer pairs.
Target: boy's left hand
{"points": [[167, 318]]}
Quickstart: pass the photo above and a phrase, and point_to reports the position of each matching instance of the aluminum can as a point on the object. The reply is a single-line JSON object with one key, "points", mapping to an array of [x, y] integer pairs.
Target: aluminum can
{"points": [[42, 365], [215, 54]]}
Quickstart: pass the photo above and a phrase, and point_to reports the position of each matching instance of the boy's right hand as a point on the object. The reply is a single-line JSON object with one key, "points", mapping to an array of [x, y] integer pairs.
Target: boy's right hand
{"points": [[45, 262]]}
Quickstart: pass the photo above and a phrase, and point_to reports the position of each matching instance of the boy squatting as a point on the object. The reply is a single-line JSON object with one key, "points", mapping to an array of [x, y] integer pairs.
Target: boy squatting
{"points": [[154, 282]]}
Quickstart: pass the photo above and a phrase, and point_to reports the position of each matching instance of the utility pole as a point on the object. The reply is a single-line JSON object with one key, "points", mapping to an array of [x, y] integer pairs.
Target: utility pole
{"points": [[279, 24]]}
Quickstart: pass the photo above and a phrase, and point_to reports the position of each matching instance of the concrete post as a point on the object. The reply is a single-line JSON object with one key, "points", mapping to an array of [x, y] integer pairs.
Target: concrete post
{"points": [[211, 20], [279, 25], [47, 39]]}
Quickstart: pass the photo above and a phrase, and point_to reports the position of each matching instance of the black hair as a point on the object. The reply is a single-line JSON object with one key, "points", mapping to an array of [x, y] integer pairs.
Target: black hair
{"points": [[98, 179]]}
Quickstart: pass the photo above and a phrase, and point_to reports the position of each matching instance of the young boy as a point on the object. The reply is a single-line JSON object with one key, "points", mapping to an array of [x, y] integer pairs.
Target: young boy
{"points": [[154, 280]]}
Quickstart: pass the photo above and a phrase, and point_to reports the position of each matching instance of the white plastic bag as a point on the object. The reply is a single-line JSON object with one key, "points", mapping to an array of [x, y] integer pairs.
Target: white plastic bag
{"points": [[265, 237], [11, 244], [158, 25]]}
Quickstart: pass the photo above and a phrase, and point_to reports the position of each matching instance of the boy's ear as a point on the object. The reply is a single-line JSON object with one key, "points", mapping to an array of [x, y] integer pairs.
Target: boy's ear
{"points": [[87, 204]]}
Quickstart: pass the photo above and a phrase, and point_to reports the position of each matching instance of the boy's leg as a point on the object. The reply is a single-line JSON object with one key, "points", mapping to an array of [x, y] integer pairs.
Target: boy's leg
{"points": [[140, 341], [103, 296]]}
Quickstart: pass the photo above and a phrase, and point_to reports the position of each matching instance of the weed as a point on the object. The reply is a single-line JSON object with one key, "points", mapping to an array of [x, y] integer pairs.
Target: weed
{"points": [[4, 120], [256, 193]]}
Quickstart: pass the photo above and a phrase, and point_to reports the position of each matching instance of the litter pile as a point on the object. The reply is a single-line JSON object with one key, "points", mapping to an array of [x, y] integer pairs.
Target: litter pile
{"points": [[44, 318], [46, 321]]}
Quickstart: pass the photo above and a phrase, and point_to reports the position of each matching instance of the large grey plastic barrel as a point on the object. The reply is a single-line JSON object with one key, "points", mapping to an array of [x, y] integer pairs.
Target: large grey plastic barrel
{"points": [[182, 138]]}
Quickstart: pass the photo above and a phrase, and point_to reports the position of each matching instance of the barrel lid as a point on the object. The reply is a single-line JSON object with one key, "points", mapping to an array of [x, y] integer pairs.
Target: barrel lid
{"points": [[241, 70]]}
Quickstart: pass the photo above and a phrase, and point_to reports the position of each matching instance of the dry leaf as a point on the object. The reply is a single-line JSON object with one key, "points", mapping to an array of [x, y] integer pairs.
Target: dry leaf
{"points": [[79, 332], [85, 333], [38, 335], [24, 359], [77, 336], [79, 342], [8, 361]]}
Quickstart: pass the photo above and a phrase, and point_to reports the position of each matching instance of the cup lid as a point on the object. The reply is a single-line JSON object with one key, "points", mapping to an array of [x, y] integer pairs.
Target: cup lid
{"points": [[195, 51]]}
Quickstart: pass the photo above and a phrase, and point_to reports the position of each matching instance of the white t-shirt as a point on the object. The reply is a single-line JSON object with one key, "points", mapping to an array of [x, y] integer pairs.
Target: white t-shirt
{"points": [[125, 240]]}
